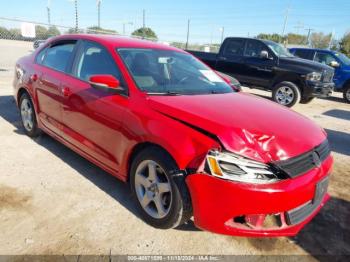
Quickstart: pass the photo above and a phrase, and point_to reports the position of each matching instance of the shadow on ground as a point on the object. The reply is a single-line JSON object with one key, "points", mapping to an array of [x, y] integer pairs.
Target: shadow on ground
{"points": [[339, 142], [327, 234], [338, 113]]}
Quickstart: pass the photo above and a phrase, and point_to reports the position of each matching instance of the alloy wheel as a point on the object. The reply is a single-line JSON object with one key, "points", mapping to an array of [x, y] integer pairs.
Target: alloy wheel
{"points": [[153, 189], [284, 95], [27, 114]]}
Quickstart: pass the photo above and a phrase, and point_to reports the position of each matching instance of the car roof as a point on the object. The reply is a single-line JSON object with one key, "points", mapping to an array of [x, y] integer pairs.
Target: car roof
{"points": [[312, 49], [116, 41]]}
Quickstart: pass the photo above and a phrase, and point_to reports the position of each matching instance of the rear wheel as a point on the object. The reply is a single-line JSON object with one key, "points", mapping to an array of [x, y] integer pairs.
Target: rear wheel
{"points": [[28, 116], [346, 93], [286, 94], [163, 201]]}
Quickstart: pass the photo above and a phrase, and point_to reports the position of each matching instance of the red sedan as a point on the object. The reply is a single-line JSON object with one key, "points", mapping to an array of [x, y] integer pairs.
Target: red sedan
{"points": [[187, 142]]}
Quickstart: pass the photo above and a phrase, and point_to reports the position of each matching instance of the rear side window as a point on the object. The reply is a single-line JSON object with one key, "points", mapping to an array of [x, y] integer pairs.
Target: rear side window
{"points": [[40, 57], [306, 54], [58, 56], [235, 47]]}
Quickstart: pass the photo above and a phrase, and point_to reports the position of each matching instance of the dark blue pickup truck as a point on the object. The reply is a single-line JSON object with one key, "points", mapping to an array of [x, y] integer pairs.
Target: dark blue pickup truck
{"points": [[339, 61]]}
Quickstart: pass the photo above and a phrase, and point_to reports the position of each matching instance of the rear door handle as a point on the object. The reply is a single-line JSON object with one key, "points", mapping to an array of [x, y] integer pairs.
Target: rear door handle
{"points": [[66, 91], [34, 77]]}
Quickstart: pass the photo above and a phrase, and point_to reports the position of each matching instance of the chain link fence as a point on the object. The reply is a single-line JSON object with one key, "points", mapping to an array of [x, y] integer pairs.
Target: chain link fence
{"points": [[15, 42]]}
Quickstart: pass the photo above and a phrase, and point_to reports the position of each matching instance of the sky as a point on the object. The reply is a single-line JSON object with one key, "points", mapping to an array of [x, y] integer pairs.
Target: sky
{"points": [[207, 17]]}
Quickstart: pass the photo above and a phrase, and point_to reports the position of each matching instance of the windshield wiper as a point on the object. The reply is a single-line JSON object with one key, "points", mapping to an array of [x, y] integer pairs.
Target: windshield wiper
{"points": [[168, 93]]}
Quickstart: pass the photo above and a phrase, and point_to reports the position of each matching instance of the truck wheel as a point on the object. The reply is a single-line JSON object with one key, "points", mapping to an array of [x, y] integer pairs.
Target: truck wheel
{"points": [[346, 94], [306, 100], [286, 94], [163, 199], [28, 116]]}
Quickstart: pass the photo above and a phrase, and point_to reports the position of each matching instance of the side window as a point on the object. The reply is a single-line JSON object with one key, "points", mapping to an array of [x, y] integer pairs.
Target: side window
{"points": [[58, 56], [254, 48], [94, 59], [235, 47], [40, 57], [324, 58], [302, 53]]}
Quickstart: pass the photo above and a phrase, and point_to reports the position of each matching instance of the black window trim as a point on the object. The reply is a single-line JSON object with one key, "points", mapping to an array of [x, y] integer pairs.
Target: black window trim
{"points": [[125, 93]]}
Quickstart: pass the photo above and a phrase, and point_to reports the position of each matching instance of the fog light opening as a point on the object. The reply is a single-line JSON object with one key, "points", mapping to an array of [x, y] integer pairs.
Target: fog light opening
{"points": [[259, 221]]}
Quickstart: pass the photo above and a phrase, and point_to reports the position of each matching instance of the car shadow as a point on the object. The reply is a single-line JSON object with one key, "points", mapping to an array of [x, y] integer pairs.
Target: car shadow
{"points": [[339, 141], [328, 234], [338, 113], [334, 99]]}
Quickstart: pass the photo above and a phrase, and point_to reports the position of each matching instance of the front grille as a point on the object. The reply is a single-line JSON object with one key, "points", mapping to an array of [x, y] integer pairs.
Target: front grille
{"points": [[299, 214], [327, 76], [301, 164]]}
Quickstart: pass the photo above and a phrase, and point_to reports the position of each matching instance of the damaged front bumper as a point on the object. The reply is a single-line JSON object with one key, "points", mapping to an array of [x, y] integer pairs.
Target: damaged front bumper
{"points": [[256, 210]]}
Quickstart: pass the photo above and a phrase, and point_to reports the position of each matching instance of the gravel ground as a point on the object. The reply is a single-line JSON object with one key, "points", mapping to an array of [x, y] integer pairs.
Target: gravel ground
{"points": [[52, 201]]}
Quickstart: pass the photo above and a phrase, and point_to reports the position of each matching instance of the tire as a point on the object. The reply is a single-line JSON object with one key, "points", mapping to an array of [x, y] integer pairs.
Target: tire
{"points": [[176, 203], [28, 116], [306, 100], [346, 94], [286, 94]]}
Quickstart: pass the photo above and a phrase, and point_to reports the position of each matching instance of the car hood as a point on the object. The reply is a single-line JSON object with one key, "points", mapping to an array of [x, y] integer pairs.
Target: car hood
{"points": [[245, 124], [303, 64]]}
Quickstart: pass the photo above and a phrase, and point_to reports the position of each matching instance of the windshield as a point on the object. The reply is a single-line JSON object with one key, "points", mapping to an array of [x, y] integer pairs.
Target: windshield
{"points": [[278, 49], [343, 58], [166, 72]]}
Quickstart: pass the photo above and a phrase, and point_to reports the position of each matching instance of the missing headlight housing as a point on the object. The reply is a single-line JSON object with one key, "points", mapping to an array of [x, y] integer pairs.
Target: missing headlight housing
{"points": [[237, 168]]}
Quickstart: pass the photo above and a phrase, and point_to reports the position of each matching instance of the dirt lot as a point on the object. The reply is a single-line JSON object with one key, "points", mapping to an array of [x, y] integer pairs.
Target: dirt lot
{"points": [[53, 201]]}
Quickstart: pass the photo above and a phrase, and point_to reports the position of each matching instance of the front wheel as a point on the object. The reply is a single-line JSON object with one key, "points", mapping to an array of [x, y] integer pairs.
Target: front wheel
{"points": [[162, 199], [346, 94], [286, 94]]}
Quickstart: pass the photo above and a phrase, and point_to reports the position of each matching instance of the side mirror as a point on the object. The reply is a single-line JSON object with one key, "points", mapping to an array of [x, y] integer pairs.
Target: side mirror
{"points": [[334, 64], [105, 82], [233, 82], [264, 54]]}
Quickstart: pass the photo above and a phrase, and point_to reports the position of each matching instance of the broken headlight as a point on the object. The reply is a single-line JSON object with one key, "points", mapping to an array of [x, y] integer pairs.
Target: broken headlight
{"points": [[237, 168]]}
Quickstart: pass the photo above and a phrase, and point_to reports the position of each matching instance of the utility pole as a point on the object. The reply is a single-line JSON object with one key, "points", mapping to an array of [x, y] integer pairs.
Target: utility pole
{"points": [[308, 35], [48, 12], [285, 21], [222, 29], [99, 13], [331, 39], [143, 23], [76, 15], [143, 18], [188, 32]]}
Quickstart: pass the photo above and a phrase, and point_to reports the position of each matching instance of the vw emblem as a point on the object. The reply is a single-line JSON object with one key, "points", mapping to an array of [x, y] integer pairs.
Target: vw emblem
{"points": [[316, 159]]}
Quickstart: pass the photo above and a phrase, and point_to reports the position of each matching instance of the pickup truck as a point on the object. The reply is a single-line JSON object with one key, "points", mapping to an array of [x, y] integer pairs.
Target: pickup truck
{"points": [[267, 65], [337, 60]]}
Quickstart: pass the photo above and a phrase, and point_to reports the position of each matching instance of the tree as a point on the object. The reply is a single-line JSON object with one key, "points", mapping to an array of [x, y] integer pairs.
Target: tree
{"points": [[53, 31], [41, 32], [296, 39], [15, 33], [345, 44], [100, 30], [72, 31], [4, 33], [273, 37], [145, 32], [320, 40]]}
